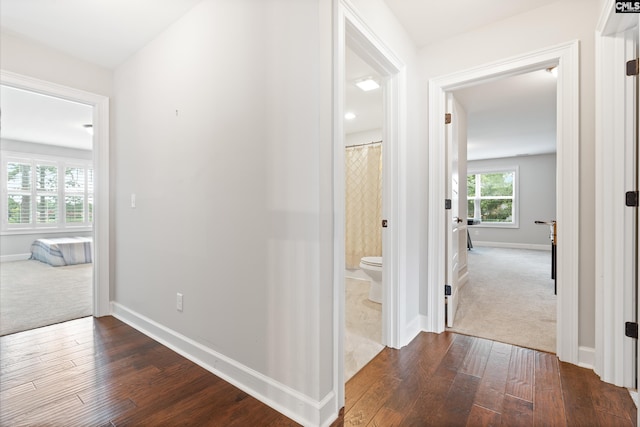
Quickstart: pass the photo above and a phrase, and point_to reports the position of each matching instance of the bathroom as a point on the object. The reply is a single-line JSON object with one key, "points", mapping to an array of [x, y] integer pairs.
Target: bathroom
{"points": [[363, 232]]}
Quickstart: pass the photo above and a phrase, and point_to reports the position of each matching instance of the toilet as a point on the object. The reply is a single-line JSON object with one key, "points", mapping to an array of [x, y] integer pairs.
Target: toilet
{"points": [[372, 267]]}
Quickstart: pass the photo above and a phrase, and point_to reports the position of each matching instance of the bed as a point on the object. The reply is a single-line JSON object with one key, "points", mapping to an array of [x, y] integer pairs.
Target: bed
{"points": [[62, 251]]}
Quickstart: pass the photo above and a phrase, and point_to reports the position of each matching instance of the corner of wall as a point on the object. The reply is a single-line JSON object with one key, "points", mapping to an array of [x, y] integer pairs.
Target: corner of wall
{"points": [[293, 404]]}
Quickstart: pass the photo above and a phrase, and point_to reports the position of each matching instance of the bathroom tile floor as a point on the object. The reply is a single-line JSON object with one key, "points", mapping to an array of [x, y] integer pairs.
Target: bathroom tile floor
{"points": [[363, 332]]}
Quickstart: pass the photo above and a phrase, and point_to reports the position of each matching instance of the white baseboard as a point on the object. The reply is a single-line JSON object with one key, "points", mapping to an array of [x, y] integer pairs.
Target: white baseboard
{"points": [[16, 257], [289, 402], [412, 330], [586, 357], [533, 246]]}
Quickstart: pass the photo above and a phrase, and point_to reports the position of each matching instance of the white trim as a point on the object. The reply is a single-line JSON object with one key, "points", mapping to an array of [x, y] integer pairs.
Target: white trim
{"points": [[615, 174], [566, 56], [586, 357], [284, 399], [100, 106], [15, 257], [352, 30], [533, 246]]}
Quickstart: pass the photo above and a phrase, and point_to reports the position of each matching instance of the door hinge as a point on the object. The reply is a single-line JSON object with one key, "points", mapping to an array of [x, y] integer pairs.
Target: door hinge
{"points": [[447, 290], [447, 203], [631, 199], [447, 118], [632, 67], [631, 329]]}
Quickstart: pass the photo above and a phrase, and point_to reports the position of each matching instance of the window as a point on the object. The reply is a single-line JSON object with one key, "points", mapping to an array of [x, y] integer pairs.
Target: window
{"points": [[491, 197], [46, 193]]}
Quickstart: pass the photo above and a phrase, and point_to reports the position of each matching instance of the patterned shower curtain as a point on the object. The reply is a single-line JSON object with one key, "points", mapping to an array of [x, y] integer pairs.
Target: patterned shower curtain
{"points": [[364, 203]]}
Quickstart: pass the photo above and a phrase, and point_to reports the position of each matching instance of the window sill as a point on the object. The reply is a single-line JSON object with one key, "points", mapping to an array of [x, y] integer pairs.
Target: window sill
{"points": [[17, 232]]}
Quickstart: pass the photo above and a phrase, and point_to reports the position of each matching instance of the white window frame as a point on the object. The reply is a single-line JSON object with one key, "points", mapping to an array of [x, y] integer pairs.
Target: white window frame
{"points": [[516, 196], [61, 163]]}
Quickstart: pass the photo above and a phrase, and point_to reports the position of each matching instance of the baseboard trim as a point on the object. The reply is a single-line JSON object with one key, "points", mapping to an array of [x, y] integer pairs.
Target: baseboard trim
{"points": [[586, 357], [16, 257], [533, 246], [412, 330], [291, 403]]}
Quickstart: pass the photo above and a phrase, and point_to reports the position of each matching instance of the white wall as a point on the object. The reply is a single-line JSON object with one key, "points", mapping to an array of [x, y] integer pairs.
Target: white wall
{"points": [[547, 26], [20, 244], [537, 200], [364, 137], [29, 58], [223, 132]]}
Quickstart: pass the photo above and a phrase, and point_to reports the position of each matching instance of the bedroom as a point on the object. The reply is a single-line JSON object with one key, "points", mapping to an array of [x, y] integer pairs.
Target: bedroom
{"points": [[47, 190]]}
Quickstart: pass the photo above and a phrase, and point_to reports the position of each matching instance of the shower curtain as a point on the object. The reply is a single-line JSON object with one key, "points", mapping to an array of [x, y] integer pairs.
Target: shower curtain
{"points": [[363, 170]]}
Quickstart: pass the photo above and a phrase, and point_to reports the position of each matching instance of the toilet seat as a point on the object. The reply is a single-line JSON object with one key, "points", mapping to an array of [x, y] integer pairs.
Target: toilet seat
{"points": [[373, 261]]}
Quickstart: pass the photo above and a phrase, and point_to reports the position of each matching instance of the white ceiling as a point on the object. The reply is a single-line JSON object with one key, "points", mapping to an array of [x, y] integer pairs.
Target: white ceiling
{"points": [[512, 116], [32, 117], [108, 32], [428, 21], [104, 32], [367, 106]]}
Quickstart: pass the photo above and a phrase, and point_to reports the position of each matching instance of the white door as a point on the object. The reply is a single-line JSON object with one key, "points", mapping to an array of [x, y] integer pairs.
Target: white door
{"points": [[453, 217]]}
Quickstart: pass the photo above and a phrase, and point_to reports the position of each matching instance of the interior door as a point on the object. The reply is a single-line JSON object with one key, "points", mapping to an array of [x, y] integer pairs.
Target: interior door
{"points": [[453, 218]]}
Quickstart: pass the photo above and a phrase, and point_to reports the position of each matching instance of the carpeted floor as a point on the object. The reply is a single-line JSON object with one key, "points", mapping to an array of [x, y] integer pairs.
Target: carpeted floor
{"points": [[363, 332], [35, 294], [509, 298]]}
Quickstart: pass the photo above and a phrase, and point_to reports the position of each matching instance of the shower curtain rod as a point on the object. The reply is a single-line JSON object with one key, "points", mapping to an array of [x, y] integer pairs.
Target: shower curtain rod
{"points": [[362, 145]]}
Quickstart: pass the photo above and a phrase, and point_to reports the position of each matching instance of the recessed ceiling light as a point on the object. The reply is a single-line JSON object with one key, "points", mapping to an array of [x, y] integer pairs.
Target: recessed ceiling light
{"points": [[349, 115], [367, 84]]}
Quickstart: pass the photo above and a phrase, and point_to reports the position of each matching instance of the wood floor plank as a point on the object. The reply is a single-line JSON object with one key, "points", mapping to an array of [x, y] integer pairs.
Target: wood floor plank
{"points": [[579, 409], [492, 387], [476, 360], [548, 407], [516, 412], [365, 409], [101, 372], [483, 417], [520, 379], [459, 401]]}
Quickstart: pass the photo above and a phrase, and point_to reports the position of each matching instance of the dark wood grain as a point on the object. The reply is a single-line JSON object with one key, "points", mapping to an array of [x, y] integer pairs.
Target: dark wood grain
{"points": [[101, 372]]}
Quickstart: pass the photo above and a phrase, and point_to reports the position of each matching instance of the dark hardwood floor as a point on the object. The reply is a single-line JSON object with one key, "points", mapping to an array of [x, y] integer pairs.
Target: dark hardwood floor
{"points": [[456, 380], [101, 372]]}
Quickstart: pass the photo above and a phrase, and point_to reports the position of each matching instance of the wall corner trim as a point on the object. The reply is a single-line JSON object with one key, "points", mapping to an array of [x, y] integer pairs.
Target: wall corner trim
{"points": [[289, 402], [586, 357]]}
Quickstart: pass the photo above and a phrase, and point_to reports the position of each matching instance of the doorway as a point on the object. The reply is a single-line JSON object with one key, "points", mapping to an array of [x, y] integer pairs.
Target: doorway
{"points": [[507, 182], [47, 228], [565, 57], [364, 199], [100, 158]]}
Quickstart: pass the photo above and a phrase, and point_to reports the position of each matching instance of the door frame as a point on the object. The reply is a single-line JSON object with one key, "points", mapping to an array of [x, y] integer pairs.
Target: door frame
{"points": [[100, 104], [566, 57], [615, 354], [351, 30]]}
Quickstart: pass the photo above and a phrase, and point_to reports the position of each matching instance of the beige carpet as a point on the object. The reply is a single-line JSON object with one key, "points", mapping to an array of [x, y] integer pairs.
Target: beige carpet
{"points": [[363, 332], [35, 294], [509, 298]]}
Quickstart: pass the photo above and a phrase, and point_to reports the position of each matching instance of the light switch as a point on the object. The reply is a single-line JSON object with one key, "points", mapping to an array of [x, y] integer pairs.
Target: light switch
{"points": [[133, 200]]}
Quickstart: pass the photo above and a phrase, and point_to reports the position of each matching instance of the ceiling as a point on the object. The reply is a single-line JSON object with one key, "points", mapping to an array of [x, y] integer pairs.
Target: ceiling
{"points": [[103, 32], [428, 21], [367, 106], [108, 32], [32, 117], [510, 117]]}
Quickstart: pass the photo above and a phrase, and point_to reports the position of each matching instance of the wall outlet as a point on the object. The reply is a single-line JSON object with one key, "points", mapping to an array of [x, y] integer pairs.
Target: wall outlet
{"points": [[179, 301]]}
